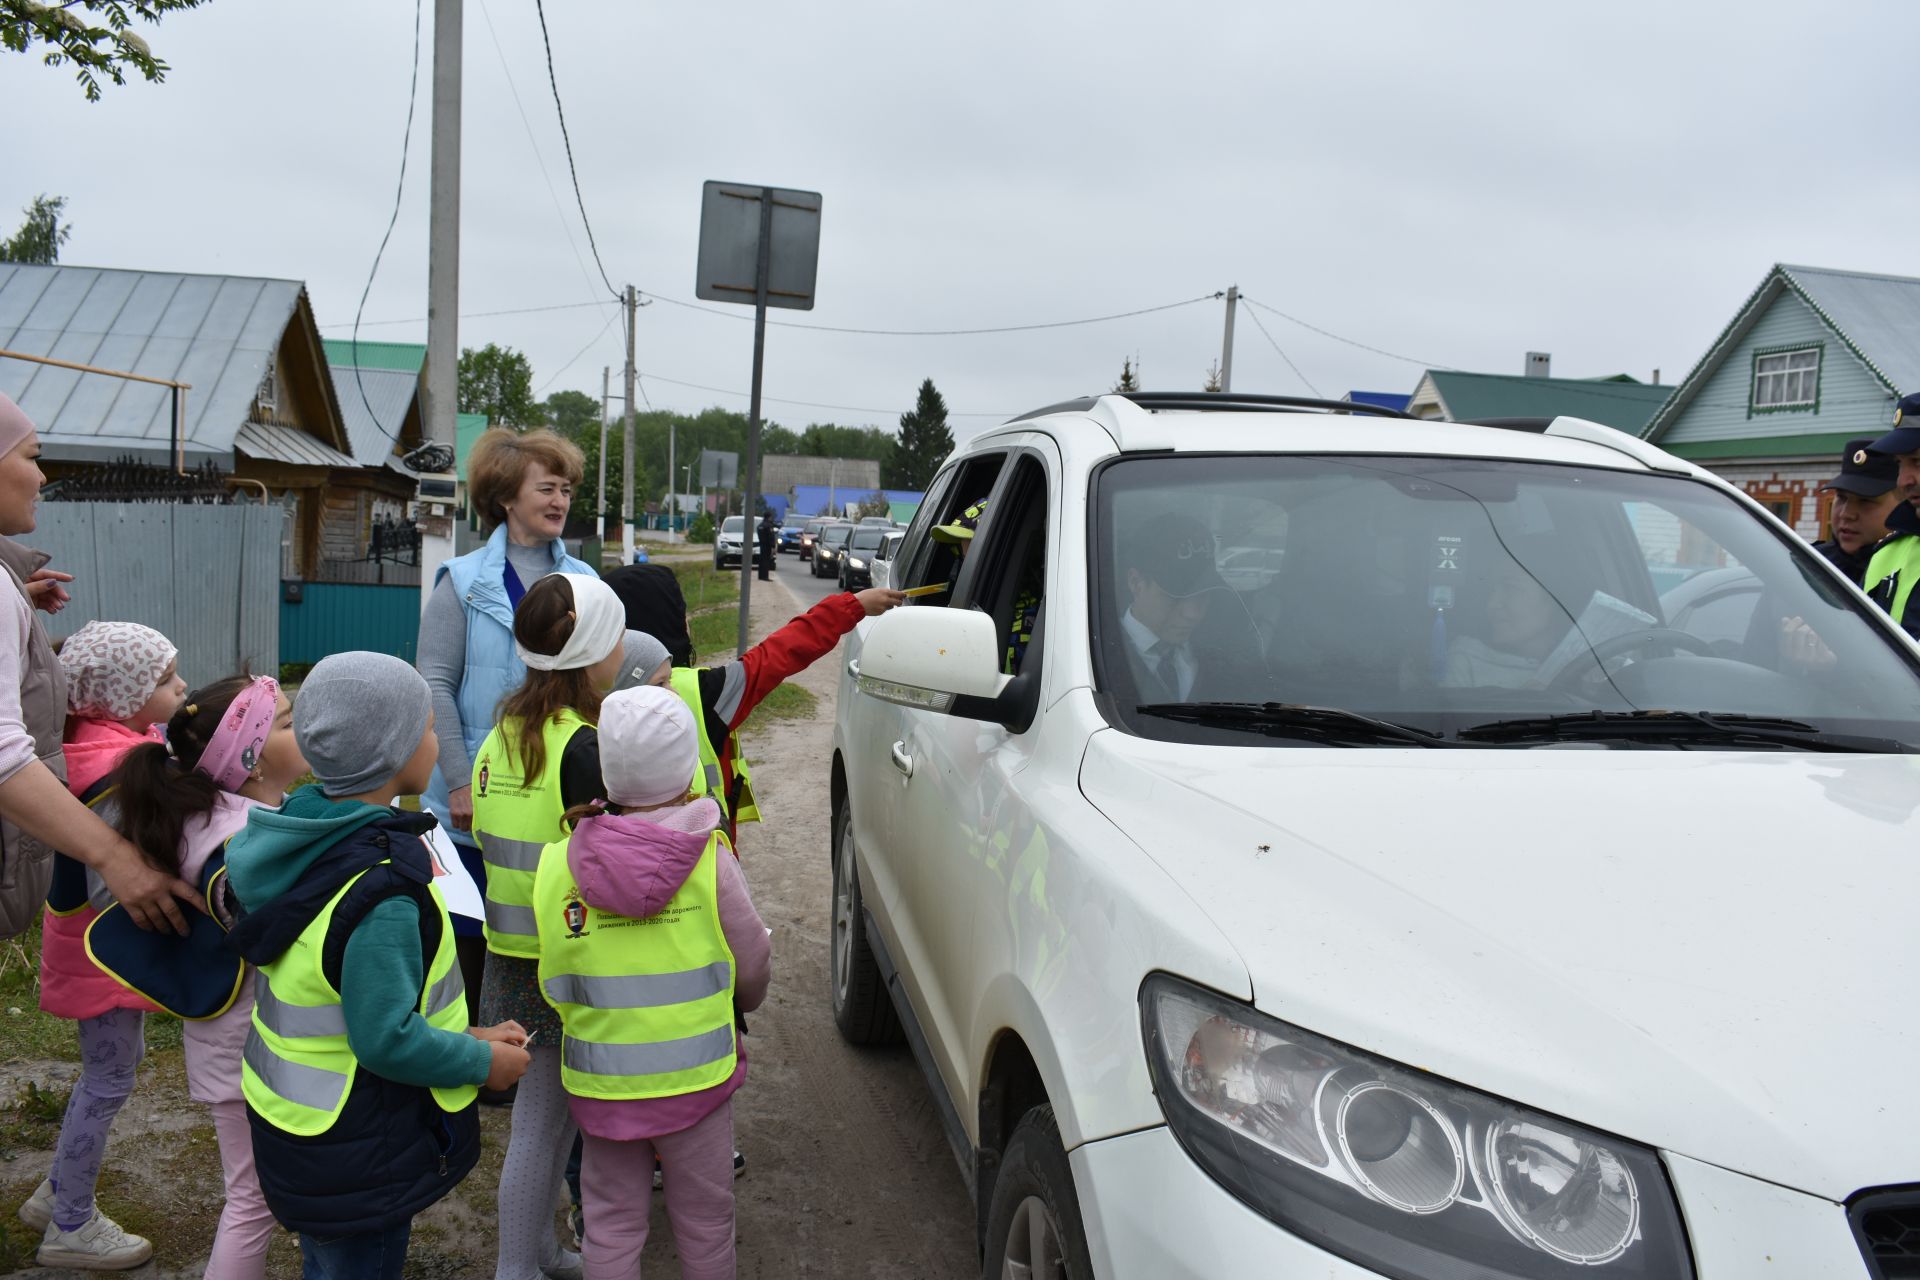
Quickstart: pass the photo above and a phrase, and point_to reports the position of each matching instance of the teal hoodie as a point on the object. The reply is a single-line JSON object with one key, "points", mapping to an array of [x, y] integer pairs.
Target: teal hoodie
{"points": [[383, 971]]}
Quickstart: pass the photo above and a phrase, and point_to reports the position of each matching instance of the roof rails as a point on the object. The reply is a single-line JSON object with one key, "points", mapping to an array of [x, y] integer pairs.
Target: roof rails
{"points": [[1202, 401]]}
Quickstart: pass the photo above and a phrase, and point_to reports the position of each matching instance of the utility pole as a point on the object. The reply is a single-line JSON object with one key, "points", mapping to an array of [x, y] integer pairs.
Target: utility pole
{"points": [[600, 530], [626, 453], [1226, 343], [673, 496], [440, 390]]}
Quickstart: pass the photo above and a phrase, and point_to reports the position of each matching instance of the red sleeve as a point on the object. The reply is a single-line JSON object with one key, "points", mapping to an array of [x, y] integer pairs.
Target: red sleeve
{"points": [[791, 650]]}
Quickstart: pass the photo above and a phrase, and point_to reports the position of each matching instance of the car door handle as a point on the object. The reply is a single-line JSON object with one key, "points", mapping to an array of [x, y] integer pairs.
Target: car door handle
{"points": [[901, 760], [853, 667]]}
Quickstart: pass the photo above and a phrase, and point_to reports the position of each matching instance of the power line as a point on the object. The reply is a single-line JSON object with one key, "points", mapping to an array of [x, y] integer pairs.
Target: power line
{"points": [[811, 404], [1283, 355], [406, 140], [937, 333], [483, 315], [1328, 333], [576, 355], [541, 8], [526, 124]]}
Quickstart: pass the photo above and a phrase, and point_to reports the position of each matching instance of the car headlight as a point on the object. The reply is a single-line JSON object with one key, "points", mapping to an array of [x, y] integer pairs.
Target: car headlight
{"points": [[854, 562], [1395, 1169]]}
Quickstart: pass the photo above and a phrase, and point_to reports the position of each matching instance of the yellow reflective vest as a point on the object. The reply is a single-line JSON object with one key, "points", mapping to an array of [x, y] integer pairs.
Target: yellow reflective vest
{"points": [[513, 819], [706, 779], [297, 1068], [646, 1005], [1891, 576]]}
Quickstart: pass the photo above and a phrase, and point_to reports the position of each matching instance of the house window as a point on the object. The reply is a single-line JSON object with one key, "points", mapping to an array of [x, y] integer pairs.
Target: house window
{"points": [[1786, 379]]}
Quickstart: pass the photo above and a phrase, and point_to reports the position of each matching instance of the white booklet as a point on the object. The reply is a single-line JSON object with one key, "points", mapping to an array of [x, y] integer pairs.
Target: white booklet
{"points": [[1604, 618]]}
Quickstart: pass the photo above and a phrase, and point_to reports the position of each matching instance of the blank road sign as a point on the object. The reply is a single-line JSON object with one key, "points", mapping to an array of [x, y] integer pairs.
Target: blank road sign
{"points": [[719, 469], [730, 245]]}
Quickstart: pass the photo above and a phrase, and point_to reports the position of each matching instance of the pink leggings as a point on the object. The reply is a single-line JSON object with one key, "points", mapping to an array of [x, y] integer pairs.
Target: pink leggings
{"points": [[696, 1165], [246, 1227]]}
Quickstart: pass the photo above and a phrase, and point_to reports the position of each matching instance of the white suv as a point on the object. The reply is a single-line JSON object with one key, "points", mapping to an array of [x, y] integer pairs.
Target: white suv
{"points": [[1424, 898]]}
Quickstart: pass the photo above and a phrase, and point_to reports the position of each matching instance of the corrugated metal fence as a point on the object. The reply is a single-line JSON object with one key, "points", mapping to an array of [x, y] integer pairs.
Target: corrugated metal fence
{"points": [[208, 578], [333, 617]]}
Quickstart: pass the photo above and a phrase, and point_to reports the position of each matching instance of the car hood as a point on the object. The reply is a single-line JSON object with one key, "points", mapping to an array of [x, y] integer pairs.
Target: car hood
{"points": [[1715, 954]]}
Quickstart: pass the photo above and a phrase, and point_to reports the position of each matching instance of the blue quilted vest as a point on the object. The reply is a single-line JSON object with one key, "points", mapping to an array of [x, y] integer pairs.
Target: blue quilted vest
{"points": [[493, 668]]}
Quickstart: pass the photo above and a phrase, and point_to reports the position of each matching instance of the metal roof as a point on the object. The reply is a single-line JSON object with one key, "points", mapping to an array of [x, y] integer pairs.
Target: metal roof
{"points": [[389, 392], [1469, 396], [218, 333], [287, 444], [405, 357]]}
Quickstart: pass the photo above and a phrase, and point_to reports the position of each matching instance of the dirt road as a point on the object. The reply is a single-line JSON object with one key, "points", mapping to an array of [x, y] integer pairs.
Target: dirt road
{"points": [[848, 1174]]}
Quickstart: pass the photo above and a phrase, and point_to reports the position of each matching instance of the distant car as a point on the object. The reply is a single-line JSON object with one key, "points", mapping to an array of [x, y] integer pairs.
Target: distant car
{"points": [[808, 532], [726, 543], [790, 530], [856, 567], [829, 546], [882, 567], [884, 522]]}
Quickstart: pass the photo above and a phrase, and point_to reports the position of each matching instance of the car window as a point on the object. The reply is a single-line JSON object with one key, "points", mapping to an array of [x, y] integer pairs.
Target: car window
{"points": [[835, 534], [733, 524], [1008, 563], [867, 539], [1445, 592], [927, 561]]}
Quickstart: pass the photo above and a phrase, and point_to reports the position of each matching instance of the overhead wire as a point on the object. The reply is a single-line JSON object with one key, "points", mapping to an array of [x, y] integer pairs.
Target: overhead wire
{"points": [[1328, 333], [581, 352], [1283, 355], [937, 333], [553, 81], [406, 141], [811, 404]]}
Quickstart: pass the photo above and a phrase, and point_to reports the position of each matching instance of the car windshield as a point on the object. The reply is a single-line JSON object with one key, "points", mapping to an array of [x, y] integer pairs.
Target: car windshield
{"points": [[867, 539], [793, 522], [1491, 599], [733, 524], [835, 533]]}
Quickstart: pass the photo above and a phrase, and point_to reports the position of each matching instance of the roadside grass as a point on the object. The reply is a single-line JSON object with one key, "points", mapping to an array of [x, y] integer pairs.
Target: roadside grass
{"points": [[786, 702], [26, 1032]]}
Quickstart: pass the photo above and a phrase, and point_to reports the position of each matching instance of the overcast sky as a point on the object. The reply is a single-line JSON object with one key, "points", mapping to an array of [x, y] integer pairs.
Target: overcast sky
{"points": [[1456, 183]]}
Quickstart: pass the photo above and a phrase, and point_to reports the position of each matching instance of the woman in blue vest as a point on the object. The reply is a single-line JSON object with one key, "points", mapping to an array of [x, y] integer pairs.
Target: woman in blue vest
{"points": [[520, 485]]}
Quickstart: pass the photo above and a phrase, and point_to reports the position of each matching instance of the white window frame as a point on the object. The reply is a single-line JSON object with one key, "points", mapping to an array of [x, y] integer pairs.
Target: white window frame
{"points": [[1794, 382]]}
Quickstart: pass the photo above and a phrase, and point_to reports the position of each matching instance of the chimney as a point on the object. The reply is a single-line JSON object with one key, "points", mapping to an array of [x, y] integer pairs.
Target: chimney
{"points": [[1656, 377], [1539, 364]]}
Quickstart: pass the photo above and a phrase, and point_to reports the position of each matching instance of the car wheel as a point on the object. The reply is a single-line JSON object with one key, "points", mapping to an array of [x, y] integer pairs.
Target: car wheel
{"points": [[1033, 1223], [718, 564], [862, 1009]]}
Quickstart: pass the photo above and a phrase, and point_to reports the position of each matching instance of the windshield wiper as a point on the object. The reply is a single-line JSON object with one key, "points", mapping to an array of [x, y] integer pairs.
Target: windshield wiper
{"points": [[1334, 724], [1712, 727]]}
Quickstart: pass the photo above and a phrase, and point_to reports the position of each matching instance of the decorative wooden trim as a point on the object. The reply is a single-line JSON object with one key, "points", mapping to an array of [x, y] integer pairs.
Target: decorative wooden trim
{"points": [[1753, 377]]}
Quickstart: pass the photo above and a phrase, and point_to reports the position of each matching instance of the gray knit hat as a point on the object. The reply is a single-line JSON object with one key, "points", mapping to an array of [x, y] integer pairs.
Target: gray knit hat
{"points": [[359, 719], [644, 655]]}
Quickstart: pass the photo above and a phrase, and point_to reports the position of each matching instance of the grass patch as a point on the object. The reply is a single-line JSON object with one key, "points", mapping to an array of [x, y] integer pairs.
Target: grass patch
{"points": [[714, 632], [702, 585], [27, 1033], [786, 702]]}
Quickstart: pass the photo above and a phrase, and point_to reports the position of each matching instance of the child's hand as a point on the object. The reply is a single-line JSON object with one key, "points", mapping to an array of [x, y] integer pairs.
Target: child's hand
{"points": [[877, 600], [509, 1064], [508, 1032]]}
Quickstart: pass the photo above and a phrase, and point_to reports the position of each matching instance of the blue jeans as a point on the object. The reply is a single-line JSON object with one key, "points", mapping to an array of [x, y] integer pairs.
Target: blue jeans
{"points": [[368, 1255]]}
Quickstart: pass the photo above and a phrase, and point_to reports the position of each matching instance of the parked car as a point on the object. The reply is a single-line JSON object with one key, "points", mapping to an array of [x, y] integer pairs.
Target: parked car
{"points": [[1484, 918], [726, 542], [881, 522], [829, 545], [856, 566], [882, 568], [790, 530], [808, 532]]}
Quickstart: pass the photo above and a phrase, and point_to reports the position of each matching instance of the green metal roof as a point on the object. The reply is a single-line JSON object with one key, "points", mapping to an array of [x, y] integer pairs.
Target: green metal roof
{"points": [[466, 429], [1624, 404], [407, 357]]}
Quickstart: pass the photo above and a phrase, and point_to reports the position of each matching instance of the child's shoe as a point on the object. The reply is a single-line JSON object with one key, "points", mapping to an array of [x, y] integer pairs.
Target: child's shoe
{"points": [[739, 1164], [98, 1244], [37, 1212]]}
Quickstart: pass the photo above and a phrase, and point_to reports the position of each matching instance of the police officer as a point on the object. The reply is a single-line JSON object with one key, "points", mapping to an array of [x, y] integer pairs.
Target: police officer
{"points": [[768, 533], [1864, 494], [1895, 566], [958, 534]]}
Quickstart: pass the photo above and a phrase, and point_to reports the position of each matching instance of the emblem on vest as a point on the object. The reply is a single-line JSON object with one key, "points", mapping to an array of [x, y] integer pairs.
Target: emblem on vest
{"points": [[575, 913], [486, 771]]}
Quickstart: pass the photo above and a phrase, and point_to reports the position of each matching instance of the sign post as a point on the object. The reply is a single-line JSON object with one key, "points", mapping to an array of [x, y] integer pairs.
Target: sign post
{"points": [[758, 245]]}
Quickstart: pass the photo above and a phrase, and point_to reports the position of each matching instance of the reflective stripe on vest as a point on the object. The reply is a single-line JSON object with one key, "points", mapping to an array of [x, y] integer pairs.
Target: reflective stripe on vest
{"points": [[297, 1069], [1892, 574], [646, 1012], [707, 780], [512, 821]]}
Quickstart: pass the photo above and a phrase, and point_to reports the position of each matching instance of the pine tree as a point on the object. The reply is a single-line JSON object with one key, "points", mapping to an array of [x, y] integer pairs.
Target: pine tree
{"points": [[925, 440], [1213, 377], [1129, 380]]}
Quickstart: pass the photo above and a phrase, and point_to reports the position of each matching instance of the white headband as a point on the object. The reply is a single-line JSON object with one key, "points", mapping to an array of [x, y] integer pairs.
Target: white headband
{"points": [[599, 625]]}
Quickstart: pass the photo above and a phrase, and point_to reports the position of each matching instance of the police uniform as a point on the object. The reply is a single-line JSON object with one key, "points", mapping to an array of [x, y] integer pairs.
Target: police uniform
{"points": [[1865, 474], [1895, 566], [1026, 604]]}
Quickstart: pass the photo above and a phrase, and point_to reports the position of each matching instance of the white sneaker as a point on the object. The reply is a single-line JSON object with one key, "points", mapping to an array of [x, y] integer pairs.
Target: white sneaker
{"points": [[98, 1244], [37, 1212]]}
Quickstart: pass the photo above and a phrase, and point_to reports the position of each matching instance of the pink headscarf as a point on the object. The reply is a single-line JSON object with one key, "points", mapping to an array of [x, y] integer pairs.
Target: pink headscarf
{"points": [[235, 746], [15, 426]]}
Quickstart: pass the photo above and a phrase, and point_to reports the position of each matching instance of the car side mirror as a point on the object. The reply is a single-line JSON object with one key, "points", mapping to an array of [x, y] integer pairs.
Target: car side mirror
{"points": [[930, 658]]}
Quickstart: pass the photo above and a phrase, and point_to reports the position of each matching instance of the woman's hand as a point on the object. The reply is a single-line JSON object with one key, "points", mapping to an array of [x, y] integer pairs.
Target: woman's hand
{"points": [[877, 600], [145, 893], [45, 592], [460, 809], [508, 1032]]}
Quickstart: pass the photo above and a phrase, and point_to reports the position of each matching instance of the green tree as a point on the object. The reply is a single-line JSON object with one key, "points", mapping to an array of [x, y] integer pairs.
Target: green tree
{"points": [[69, 34], [874, 504], [574, 414], [1212, 382], [925, 440], [41, 235], [498, 381], [1129, 380]]}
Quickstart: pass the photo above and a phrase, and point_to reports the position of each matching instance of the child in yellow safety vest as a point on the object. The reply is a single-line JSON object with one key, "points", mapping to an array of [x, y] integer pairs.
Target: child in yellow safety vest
{"points": [[647, 939]]}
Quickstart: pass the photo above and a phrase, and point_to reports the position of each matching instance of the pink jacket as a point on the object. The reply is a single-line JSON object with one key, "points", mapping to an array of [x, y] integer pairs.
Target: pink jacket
{"points": [[633, 864], [71, 985]]}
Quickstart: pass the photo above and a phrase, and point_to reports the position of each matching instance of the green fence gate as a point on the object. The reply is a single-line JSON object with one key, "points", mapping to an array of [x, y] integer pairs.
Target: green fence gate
{"points": [[333, 617]]}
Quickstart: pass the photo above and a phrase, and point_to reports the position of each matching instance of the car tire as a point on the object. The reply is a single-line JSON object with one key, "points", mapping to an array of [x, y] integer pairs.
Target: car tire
{"points": [[862, 1009], [1033, 1220], [718, 564]]}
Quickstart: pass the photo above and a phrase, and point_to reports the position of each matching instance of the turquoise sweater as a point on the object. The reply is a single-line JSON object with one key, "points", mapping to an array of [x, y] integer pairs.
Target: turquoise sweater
{"points": [[382, 971]]}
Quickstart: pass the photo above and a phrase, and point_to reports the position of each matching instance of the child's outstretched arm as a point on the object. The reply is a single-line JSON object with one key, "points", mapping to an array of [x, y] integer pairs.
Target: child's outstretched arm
{"points": [[380, 981], [733, 690]]}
